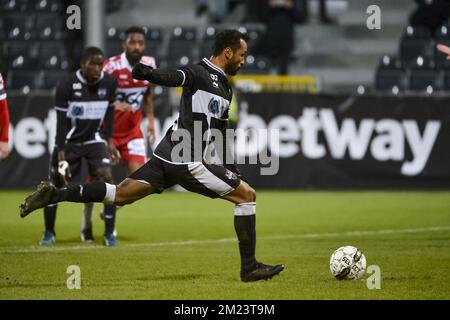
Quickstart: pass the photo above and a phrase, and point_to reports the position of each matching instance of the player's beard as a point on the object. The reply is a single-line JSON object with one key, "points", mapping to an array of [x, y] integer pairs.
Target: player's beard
{"points": [[233, 69], [134, 59]]}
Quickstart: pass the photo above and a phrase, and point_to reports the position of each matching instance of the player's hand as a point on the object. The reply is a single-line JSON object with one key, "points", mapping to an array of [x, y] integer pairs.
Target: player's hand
{"points": [[64, 172], [4, 150], [123, 106], [115, 154], [444, 49], [151, 130], [141, 71]]}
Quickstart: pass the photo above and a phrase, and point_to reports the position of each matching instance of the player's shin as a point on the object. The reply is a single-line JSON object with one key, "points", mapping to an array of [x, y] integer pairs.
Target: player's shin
{"points": [[96, 191], [88, 210], [109, 215], [245, 226], [50, 217]]}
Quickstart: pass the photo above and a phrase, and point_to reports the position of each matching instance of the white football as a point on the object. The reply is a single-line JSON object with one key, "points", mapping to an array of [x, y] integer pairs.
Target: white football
{"points": [[347, 263]]}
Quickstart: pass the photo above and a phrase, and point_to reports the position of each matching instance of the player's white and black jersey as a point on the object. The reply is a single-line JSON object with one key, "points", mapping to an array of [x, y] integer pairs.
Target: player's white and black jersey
{"points": [[84, 106], [205, 100]]}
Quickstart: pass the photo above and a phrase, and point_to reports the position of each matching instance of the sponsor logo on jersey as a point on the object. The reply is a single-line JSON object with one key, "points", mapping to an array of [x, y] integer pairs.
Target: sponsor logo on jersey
{"points": [[101, 92], [77, 86], [230, 175], [77, 110], [214, 106]]}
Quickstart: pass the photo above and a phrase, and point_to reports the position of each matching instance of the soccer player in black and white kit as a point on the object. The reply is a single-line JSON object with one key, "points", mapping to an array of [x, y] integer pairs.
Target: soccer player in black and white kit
{"points": [[204, 104], [84, 106]]}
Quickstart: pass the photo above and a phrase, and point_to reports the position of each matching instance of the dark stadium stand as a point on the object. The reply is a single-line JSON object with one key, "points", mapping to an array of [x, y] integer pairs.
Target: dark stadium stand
{"points": [[418, 67]]}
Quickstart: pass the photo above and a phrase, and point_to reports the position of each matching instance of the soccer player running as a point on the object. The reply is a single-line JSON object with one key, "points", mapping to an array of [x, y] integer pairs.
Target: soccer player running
{"points": [[4, 121], [83, 104], [205, 101], [132, 96]]}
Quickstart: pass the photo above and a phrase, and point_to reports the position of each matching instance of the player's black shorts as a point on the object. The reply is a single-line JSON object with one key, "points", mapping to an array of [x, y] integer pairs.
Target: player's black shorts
{"points": [[207, 179], [96, 156]]}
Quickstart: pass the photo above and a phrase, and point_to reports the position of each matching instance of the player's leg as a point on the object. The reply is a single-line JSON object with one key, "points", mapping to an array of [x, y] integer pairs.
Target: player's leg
{"points": [[244, 197], [147, 180], [99, 163], [218, 182], [49, 235], [72, 156], [109, 210]]}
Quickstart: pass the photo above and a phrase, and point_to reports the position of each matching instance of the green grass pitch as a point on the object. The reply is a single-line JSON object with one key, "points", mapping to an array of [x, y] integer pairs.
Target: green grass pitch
{"points": [[183, 246]]}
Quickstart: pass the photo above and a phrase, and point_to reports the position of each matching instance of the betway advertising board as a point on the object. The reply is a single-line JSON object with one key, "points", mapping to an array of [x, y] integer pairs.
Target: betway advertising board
{"points": [[329, 142], [321, 142]]}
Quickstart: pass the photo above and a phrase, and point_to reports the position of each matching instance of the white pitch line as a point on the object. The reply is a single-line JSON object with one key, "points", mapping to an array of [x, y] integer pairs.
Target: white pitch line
{"points": [[39, 249]]}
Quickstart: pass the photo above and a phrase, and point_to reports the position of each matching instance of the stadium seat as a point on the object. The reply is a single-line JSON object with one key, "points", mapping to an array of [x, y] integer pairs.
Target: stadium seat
{"points": [[411, 49], [178, 61], [390, 63], [52, 55], [22, 62], [114, 34], [417, 32], [442, 33], [51, 78], [446, 81], [14, 5], [182, 43], [48, 6], [424, 80], [208, 40], [416, 41], [23, 80], [256, 65], [113, 48], [13, 49], [18, 28], [422, 76], [49, 27], [154, 39], [390, 80]]}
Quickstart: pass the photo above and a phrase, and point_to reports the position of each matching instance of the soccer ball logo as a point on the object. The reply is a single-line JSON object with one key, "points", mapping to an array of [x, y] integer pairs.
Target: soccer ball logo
{"points": [[347, 263]]}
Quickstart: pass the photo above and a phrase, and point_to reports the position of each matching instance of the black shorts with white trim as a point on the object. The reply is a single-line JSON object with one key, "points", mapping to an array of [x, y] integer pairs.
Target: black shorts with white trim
{"points": [[206, 179]]}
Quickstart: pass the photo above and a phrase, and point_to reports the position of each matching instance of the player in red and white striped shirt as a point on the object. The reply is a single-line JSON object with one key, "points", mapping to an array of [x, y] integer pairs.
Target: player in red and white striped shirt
{"points": [[4, 121]]}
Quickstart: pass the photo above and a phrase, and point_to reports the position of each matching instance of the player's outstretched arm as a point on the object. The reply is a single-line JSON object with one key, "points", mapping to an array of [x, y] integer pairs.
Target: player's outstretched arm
{"points": [[163, 77]]}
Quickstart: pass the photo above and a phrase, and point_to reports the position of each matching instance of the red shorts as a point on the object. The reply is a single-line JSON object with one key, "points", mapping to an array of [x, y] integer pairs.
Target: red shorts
{"points": [[131, 148]]}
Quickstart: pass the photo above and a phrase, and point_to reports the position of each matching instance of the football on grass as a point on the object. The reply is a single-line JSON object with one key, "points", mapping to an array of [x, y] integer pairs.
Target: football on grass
{"points": [[347, 263]]}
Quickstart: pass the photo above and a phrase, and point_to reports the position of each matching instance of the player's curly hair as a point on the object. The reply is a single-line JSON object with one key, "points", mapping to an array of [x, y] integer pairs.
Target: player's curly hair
{"points": [[228, 39], [134, 29]]}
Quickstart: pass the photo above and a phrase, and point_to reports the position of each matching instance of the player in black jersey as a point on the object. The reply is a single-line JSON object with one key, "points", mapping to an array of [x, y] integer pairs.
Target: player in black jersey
{"points": [[83, 103], [180, 158]]}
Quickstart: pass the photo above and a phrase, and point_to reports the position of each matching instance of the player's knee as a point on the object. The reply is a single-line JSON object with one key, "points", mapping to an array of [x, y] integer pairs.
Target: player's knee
{"points": [[249, 194]]}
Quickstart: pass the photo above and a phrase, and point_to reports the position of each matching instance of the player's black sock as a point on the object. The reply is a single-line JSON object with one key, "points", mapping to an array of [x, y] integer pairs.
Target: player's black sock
{"points": [[245, 227], [50, 217], [92, 192], [109, 214]]}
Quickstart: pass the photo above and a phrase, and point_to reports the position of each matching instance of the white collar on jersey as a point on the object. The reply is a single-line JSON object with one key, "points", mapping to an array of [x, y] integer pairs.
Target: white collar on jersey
{"points": [[209, 63], [124, 61], [83, 80]]}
